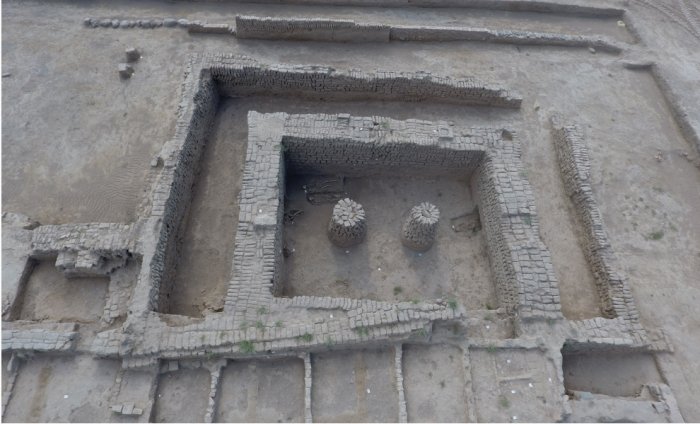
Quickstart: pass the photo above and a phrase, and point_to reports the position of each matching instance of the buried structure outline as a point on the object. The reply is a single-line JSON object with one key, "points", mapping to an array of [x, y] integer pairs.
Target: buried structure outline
{"points": [[526, 285]]}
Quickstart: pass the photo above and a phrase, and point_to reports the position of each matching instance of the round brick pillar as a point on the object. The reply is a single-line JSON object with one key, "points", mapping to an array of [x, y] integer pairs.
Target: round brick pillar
{"points": [[347, 226], [420, 228]]}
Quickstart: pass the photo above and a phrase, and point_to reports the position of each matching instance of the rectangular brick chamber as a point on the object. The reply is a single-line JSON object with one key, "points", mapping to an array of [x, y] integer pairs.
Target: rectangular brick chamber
{"points": [[355, 147], [388, 167], [211, 76], [374, 154]]}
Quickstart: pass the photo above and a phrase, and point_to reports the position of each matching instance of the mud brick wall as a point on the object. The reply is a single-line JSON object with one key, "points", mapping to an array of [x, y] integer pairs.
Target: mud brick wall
{"points": [[521, 263], [49, 240], [613, 288], [239, 76], [354, 146], [172, 192], [257, 259], [309, 29], [38, 337]]}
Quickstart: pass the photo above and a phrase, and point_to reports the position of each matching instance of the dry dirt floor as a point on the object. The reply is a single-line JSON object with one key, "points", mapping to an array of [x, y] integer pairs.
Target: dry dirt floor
{"points": [[78, 143]]}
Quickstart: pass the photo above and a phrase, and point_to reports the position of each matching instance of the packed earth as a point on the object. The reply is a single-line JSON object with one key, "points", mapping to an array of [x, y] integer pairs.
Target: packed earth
{"points": [[351, 211]]}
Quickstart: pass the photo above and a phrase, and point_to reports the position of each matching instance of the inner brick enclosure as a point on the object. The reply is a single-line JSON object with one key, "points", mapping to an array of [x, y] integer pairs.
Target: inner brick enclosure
{"points": [[387, 173], [210, 78]]}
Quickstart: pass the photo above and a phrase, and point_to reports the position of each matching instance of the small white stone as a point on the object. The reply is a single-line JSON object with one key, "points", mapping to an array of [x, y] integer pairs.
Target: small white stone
{"points": [[368, 391], [530, 385], [508, 361], [488, 327], [331, 315], [515, 417], [65, 396], [379, 269], [513, 391], [550, 379]]}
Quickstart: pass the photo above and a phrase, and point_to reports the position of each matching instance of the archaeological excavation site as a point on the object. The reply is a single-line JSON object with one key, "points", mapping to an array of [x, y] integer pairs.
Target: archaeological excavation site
{"points": [[351, 211]]}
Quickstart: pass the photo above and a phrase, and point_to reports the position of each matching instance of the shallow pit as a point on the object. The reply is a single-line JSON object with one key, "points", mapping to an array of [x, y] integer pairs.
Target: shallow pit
{"points": [[612, 374], [207, 237], [49, 295]]}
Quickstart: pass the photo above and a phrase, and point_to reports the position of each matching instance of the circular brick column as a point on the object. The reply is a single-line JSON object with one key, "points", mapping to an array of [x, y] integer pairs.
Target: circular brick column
{"points": [[420, 228], [347, 226]]}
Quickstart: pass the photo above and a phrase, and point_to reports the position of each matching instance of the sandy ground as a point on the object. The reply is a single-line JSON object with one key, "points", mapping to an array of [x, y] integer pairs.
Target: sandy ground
{"points": [[381, 268], [77, 141], [49, 295], [262, 391], [50, 389]]}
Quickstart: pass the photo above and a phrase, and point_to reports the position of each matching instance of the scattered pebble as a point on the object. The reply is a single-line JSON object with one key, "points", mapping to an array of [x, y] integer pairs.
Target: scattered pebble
{"points": [[591, 49], [169, 22], [514, 391], [530, 385], [65, 396], [621, 24], [367, 390]]}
